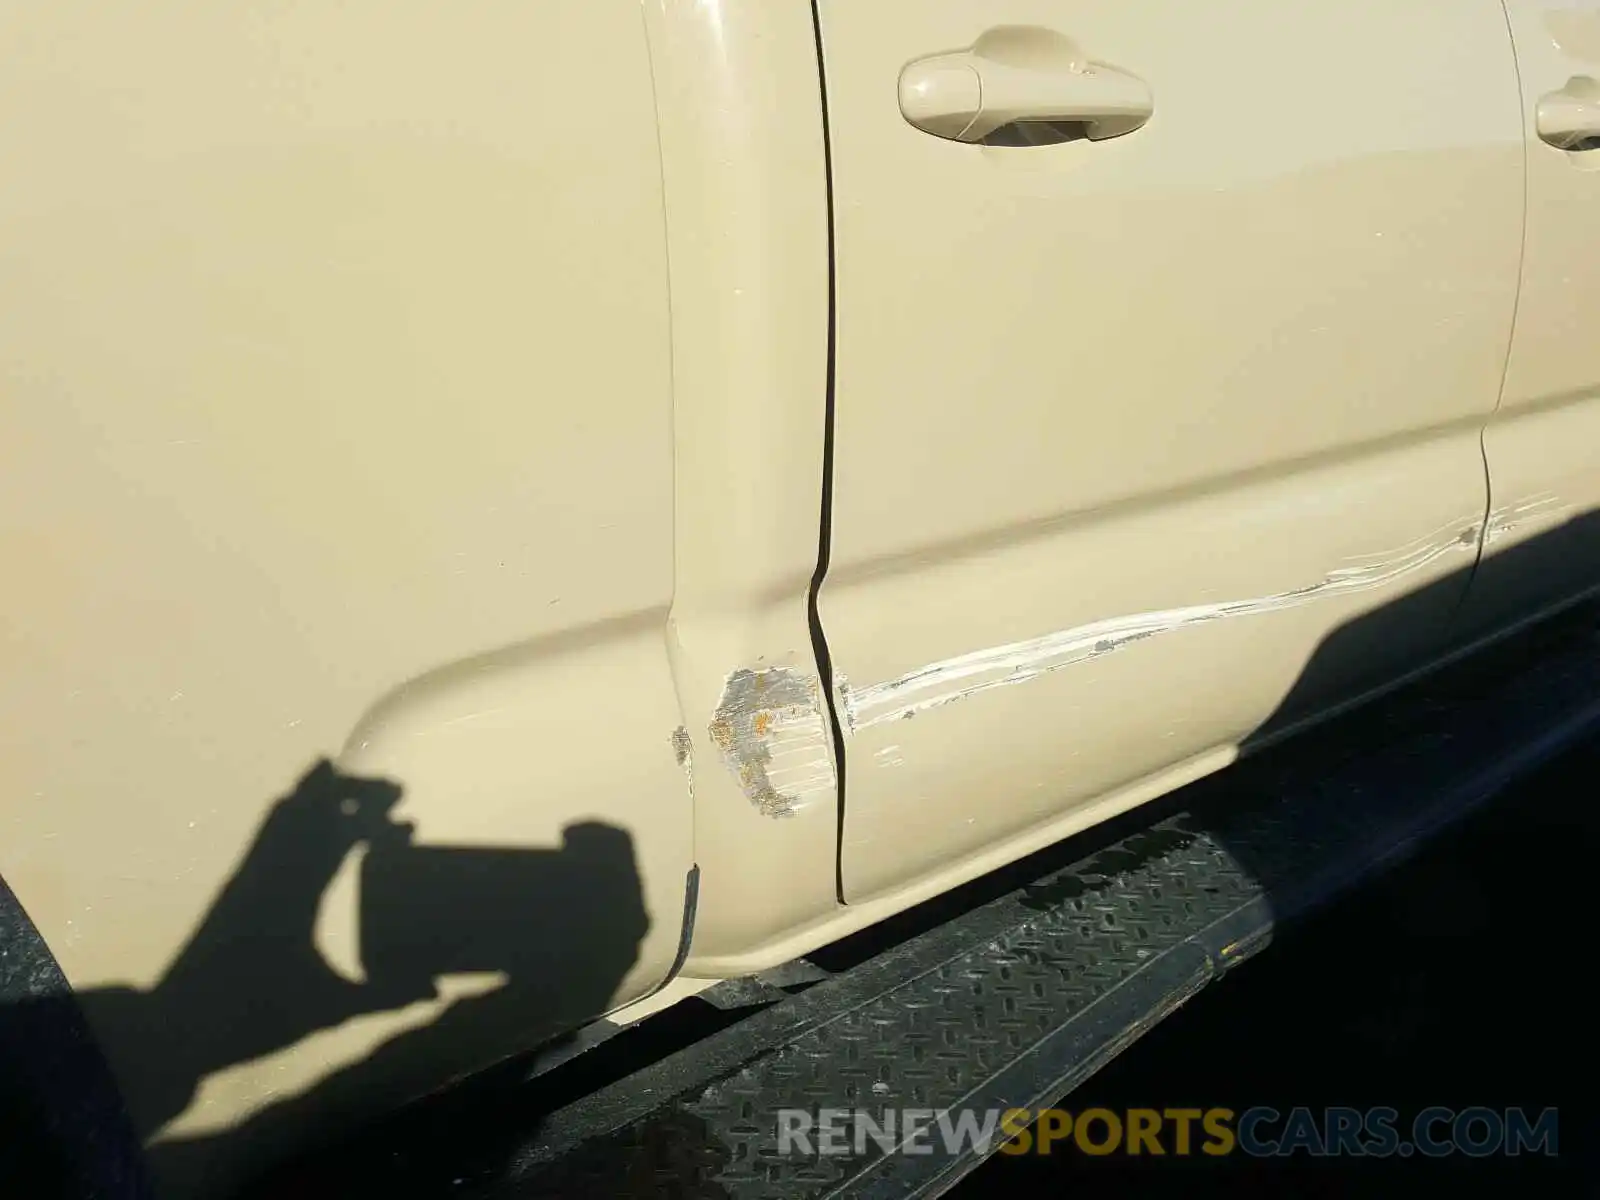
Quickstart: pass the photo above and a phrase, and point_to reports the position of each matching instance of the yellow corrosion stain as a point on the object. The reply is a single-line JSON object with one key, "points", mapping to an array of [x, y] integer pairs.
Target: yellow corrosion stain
{"points": [[763, 722]]}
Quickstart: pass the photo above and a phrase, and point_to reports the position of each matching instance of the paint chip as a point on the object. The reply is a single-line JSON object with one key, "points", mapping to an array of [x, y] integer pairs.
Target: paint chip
{"points": [[683, 751], [774, 737]]}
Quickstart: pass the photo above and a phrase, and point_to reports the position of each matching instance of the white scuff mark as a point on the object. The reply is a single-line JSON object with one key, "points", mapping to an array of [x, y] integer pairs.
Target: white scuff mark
{"points": [[953, 679], [1543, 507], [889, 756], [683, 751], [774, 737], [463, 719]]}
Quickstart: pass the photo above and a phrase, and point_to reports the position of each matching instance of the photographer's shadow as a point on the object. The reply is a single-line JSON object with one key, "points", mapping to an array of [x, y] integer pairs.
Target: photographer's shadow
{"points": [[561, 927]]}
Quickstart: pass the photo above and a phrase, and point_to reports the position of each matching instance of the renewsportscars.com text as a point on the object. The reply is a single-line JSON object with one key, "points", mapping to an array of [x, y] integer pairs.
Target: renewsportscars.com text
{"points": [[1216, 1132]]}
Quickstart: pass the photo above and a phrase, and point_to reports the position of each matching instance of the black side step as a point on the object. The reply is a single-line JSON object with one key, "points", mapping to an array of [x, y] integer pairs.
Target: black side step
{"points": [[1016, 1002]]}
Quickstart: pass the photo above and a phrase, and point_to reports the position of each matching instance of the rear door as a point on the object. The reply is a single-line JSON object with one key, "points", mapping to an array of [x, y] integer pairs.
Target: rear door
{"points": [[1543, 447], [1179, 369]]}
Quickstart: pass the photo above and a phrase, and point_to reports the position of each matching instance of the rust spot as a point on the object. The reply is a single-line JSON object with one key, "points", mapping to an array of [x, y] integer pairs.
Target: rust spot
{"points": [[774, 737], [683, 751]]}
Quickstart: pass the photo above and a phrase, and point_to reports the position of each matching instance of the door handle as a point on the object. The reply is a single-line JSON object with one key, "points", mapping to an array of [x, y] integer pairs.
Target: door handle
{"points": [[1020, 75], [1570, 119]]}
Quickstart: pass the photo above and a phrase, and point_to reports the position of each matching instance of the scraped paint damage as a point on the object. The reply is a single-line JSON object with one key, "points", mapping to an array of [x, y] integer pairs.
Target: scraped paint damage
{"points": [[953, 679], [683, 751], [773, 732], [1540, 509]]}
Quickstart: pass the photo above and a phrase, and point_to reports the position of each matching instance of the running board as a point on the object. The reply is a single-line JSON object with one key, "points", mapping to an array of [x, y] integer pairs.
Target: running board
{"points": [[1015, 1003]]}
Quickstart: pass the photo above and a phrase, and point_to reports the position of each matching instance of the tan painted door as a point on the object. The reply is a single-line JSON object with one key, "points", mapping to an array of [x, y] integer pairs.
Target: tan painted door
{"points": [[1128, 424], [1543, 447]]}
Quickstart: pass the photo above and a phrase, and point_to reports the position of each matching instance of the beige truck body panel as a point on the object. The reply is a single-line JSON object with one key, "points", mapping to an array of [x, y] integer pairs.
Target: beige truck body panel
{"points": [[337, 419], [602, 416]]}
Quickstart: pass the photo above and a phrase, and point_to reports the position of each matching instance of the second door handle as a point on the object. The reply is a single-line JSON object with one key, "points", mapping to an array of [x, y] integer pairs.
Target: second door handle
{"points": [[1020, 74], [1570, 119]]}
